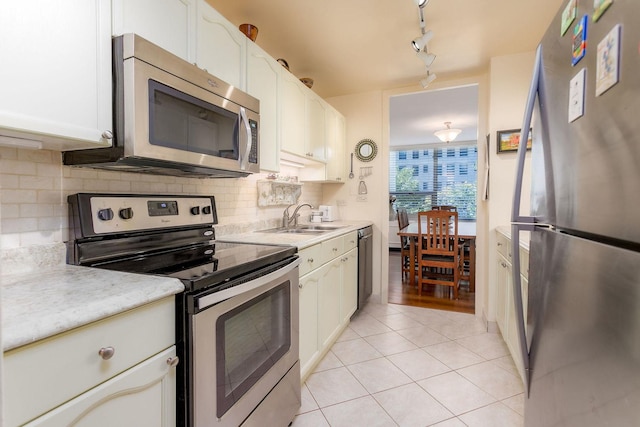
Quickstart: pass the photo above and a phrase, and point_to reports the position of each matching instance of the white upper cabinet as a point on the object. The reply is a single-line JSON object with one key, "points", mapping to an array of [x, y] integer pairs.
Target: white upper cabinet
{"points": [[166, 23], [220, 46], [335, 171], [55, 73], [263, 80], [292, 105], [315, 127]]}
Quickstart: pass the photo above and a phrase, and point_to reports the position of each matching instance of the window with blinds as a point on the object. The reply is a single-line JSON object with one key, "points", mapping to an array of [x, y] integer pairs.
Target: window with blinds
{"points": [[423, 177]]}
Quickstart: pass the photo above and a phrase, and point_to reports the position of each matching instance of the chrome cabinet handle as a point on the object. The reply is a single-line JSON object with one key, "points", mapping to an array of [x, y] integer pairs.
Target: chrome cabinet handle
{"points": [[173, 361], [107, 134], [107, 352]]}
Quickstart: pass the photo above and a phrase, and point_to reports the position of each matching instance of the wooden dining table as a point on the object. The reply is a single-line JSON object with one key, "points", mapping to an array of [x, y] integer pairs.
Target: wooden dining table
{"points": [[466, 232]]}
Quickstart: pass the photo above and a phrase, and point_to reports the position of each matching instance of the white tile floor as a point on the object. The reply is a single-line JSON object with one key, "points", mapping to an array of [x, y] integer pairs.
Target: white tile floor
{"points": [[407, 366]]}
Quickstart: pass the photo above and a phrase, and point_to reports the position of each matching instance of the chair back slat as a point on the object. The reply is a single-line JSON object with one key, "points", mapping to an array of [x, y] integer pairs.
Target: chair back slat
{"points": [[444, 208], [438, 232]]}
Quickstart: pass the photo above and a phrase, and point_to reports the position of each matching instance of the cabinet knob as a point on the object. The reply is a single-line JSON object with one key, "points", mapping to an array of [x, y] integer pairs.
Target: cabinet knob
{"points": [[107, 134], [334, 249], [309, 260], [107, 352], [173, 361], [499, 244]]}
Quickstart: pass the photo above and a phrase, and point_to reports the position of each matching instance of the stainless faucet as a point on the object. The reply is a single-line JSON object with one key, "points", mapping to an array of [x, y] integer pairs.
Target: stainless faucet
{"points": [[286, 219]]}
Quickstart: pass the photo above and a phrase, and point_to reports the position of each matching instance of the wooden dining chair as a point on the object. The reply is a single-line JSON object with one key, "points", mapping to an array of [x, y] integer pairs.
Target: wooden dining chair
{"points": [[405, 242], [439, 255], [444, 208]]}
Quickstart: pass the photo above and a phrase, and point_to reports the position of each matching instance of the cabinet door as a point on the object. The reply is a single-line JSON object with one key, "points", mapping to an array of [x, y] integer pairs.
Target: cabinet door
{"points": [[503, 291], [168, 23], [56, 72], [308, 321], [220, 46], [315, 127], [141, 396], [329, 295], [335, 146], [349, 283], [292, 119], [263, 77]]}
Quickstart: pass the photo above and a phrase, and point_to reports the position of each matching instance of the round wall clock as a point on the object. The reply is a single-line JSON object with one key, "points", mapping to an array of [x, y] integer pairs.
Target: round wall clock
{"points": [[366, 150]]}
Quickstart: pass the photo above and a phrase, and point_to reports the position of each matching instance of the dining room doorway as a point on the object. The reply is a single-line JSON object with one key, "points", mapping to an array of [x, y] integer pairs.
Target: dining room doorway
{"points": [[425, 170]]}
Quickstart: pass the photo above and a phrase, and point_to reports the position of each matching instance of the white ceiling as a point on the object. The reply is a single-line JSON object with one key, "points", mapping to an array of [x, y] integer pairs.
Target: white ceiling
{"points": [[353, 46]]}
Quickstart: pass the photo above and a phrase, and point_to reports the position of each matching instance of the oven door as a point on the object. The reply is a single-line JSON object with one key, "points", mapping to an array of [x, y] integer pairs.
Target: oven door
{"points": [[245, 340]]}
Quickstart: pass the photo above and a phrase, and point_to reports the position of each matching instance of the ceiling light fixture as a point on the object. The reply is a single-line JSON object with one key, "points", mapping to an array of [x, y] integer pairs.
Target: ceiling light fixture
{"points": [[427, 58], [427, 80], [420, 42], [448, 134]]}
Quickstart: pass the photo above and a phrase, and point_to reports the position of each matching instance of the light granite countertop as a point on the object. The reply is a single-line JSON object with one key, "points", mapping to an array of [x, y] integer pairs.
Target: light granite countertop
{"points": [[300, 240], [54, 299]]}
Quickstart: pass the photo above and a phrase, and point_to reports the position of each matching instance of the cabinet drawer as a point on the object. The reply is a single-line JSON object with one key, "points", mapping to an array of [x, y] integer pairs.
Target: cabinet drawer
{"points": [[40, 376], [504, 245], [332, 248], [310, 258], [350, 241]]}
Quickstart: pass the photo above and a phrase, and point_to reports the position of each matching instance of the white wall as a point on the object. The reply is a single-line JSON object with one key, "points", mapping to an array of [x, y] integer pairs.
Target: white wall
{"points": [[510, 80], [363, 113]]}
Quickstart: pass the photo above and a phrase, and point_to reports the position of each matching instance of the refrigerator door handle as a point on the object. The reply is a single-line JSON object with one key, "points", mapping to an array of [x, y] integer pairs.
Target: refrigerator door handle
{"points": [[519, 223]]}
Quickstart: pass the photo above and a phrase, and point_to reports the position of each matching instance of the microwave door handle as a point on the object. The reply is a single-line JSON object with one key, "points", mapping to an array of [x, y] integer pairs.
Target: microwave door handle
{"points": [[244, 157]]}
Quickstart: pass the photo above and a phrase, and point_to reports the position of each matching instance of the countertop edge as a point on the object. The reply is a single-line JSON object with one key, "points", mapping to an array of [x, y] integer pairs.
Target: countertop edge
{"points": [[300, 241], [505, 230], [42, 304]]}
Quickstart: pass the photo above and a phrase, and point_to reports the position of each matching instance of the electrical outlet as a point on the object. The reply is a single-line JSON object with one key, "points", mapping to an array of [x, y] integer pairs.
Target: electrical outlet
{"points": [[362, 198]]}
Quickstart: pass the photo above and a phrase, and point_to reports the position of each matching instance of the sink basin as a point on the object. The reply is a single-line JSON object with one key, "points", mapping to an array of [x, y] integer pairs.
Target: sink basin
{"points": [[302, 229], [318, 227]]}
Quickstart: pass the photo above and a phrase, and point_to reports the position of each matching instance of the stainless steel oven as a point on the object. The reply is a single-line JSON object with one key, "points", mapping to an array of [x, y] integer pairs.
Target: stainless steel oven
{"points": [[245, 343], [237, 322]]}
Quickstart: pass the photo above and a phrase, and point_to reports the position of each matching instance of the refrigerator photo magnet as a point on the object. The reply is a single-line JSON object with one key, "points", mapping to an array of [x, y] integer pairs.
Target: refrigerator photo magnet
{"points": [[579, 44], [608, 61], [599, 7], [568, 15]]}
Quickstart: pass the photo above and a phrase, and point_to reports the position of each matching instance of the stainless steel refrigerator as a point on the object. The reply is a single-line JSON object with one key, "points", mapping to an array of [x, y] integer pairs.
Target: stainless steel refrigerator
{"points": [[580, 340]]}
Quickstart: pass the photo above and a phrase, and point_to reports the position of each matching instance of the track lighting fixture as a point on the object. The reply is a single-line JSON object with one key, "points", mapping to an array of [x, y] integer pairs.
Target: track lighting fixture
{"points": [[427, 58], [421, 3], [420, 42], [427, 80]]}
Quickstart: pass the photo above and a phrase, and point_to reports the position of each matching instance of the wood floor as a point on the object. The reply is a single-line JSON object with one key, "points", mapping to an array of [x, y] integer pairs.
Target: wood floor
{"points": [[400, 292]]}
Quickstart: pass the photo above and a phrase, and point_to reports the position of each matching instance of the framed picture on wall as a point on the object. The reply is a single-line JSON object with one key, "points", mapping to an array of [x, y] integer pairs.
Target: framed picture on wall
{"points": [[508, 140]]}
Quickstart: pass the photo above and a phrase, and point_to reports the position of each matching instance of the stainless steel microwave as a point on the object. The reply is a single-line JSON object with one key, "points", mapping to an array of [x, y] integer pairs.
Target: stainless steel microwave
{"points": [[173, 118]]}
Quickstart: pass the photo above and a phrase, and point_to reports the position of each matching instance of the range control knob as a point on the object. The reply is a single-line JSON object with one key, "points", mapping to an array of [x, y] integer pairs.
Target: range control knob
{"points": [[105, 214], [195, 210], [206, 210], [126, 213]]}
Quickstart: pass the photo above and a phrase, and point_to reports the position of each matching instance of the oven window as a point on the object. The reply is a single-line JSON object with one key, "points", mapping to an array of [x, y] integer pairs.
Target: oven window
{"points": [[251, 338], [183, 122]]}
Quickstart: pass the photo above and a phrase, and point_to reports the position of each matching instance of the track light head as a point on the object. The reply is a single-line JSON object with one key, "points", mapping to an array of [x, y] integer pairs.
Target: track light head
{"points": [[421, 3], [427, 58], [420, 42], [427, 80]]}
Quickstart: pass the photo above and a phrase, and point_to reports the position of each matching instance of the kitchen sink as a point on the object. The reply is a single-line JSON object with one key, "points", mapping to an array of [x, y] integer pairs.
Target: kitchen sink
{"points": [[302, 229]]}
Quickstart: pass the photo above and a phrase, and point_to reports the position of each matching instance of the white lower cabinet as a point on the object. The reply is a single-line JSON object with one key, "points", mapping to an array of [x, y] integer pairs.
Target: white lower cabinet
{"points": [[505, 303], [119, 371], [328, 296], [141, 396]]}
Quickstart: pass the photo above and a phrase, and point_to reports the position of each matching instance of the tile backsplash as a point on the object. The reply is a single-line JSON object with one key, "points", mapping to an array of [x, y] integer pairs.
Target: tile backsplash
{"points": [[34, 187]]}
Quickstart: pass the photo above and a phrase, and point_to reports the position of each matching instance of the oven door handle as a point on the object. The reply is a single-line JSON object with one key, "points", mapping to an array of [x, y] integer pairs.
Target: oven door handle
{"points": [[216, 297]]}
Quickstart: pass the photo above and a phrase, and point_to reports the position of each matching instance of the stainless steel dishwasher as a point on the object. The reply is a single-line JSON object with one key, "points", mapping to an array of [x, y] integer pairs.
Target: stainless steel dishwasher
{"points": [[365, 264]]}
